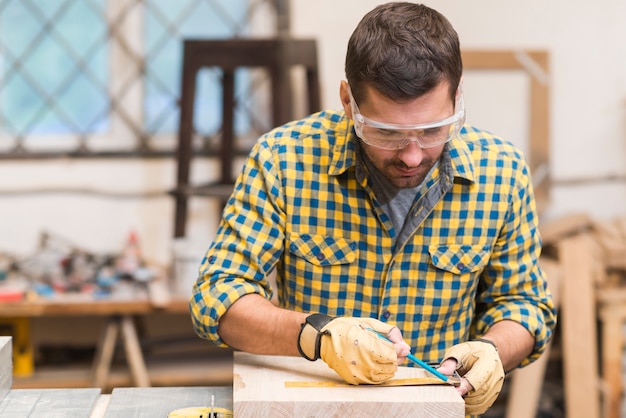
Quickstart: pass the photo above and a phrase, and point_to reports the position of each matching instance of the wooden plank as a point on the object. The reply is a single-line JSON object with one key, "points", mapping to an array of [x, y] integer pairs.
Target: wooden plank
{"points": [[6, 366], [617, 297], [612, 358], [259, 391], [66, 403], [525, 393], [159, 402], [578, 325], [535, 64], [500, 59], [557, 229]]}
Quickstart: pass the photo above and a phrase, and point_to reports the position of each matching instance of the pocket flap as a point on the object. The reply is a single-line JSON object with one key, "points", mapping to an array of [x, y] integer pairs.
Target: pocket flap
{"points": [[459, 259], [322, 250]]}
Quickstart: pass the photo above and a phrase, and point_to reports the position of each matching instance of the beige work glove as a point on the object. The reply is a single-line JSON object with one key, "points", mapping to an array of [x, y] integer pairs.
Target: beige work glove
{"points": [[478, 361], [350, 347]]}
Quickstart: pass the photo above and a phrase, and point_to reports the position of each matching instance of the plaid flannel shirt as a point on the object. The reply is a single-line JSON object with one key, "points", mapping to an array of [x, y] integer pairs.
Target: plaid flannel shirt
{"points": [[466, 258]]}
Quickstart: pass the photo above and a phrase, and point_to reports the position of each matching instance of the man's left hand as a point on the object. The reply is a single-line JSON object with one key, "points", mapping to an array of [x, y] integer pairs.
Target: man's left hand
{"points": [[482, 373]]}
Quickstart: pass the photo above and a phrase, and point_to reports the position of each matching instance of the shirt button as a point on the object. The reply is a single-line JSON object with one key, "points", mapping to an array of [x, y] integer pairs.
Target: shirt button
{"points": [[320, 256], [212, 259], [460, 266], [386, 315]]}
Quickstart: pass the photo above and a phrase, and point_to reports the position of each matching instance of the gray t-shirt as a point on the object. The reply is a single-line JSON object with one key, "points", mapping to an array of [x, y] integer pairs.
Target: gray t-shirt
{"points": [[396, 202]]}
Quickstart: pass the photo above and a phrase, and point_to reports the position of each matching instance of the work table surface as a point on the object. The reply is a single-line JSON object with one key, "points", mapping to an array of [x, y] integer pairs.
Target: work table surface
{"points": [[83, 305]]}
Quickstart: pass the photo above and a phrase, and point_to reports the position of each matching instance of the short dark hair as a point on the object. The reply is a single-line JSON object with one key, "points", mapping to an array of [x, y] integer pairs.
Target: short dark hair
{"points": [[403, 50]]}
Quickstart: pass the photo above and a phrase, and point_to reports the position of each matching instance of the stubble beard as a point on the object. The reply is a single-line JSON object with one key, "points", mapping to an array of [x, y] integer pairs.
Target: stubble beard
{"points": [[389, 169]]}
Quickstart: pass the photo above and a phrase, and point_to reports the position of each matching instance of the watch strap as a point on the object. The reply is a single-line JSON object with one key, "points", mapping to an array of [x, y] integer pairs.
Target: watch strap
{"points": [[309, 339]]}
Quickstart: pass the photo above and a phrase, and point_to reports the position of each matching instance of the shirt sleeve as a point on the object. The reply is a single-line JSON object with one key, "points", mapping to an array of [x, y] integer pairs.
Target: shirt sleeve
{"points": [[513, 285], [247, 245]]}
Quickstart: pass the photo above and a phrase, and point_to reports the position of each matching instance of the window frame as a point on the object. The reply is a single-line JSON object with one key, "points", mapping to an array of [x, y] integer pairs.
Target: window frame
{"points": [[125, 135]]}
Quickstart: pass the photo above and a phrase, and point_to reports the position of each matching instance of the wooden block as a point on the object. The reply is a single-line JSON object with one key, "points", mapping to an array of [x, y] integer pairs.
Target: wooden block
{"points": [[159, 402], [578, 327], [67, 403], [6, 366], [612, 357], [525, 392], [259, 390]]}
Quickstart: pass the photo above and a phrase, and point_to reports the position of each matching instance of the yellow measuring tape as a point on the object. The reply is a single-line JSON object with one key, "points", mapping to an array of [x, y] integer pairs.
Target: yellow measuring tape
{"points": [[411, 381], [200, 412]]}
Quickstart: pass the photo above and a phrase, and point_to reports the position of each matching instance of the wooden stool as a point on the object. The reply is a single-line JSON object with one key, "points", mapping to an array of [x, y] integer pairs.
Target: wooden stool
{"points": [[275, 55]]}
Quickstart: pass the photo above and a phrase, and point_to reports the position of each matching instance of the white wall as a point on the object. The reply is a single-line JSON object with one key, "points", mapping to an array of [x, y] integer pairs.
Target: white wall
{"points": [[588, 118]]}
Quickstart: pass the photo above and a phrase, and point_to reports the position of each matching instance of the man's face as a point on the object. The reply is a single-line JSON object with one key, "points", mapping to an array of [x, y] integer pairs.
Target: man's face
{"points": [[408, 166]]}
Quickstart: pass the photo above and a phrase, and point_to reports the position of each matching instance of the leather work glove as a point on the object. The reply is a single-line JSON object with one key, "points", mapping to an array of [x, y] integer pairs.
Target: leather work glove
{"points": [[350, 347], [478, 362]]}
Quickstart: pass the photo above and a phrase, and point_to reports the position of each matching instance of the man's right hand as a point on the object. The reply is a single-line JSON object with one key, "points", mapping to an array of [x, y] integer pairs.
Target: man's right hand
{"points": [[351, 347]]}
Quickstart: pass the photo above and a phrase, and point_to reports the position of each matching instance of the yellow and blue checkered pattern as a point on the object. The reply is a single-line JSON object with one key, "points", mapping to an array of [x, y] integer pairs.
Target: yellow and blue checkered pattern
{"points": [[303, 206]]}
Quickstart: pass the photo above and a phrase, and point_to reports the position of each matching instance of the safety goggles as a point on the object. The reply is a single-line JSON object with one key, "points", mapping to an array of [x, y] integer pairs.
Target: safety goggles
{"points": [[392, 136]]}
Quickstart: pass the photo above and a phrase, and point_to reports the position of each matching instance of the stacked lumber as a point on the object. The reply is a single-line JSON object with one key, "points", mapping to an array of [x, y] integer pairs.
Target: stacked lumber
{"points": [[588, 258], [610, 240]]}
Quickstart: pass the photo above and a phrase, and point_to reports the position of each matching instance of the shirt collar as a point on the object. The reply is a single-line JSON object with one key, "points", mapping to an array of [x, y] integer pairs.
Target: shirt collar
{"points": [[344, 152], [460, 158]]}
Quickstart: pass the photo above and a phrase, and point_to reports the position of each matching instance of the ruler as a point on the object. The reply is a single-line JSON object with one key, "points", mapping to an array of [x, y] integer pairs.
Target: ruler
{"points": [[410, 381]]}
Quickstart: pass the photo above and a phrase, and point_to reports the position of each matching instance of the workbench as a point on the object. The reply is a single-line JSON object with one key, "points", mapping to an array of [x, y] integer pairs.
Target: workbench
{"points": [[119, 314]]}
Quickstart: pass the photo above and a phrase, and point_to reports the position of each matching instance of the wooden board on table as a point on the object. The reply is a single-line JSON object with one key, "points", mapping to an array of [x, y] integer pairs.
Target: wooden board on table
{"points": [[578, 327], [259, 390], [526, 386], [67, 403], [160, 401]]}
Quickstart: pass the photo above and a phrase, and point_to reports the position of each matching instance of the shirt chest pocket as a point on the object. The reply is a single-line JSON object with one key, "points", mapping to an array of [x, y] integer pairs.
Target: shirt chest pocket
{"points": [[459, 259], [322, 250]]}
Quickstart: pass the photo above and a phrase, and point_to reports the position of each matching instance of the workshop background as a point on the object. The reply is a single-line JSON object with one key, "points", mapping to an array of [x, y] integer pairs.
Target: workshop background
{"points": [[89, 119]]}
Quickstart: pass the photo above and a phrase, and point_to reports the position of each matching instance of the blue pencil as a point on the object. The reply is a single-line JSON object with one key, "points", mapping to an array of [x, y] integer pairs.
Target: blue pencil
{"points": [[427, 367], [415, 360]]}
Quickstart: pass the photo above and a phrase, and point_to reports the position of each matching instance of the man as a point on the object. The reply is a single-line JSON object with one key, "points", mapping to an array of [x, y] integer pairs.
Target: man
{"points": [[389, 218]]}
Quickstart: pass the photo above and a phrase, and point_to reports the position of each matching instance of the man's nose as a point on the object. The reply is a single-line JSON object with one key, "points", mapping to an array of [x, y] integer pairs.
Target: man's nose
{"points": [[412, 154]]}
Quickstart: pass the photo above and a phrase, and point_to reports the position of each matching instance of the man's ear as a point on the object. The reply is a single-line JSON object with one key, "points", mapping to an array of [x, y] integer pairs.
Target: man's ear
{"points": [[344, 96]]}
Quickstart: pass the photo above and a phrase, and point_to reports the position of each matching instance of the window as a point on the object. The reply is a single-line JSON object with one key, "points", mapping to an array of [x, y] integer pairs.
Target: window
{"points": [[85, 77]]}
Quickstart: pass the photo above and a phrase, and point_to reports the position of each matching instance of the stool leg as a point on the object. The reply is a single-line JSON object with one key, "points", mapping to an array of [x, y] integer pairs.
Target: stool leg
{"points": [[134, 356], [104, 353]]}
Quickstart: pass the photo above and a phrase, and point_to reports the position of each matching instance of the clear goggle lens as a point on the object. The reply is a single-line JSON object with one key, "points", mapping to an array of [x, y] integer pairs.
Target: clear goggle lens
{"points": [[393, 136]]}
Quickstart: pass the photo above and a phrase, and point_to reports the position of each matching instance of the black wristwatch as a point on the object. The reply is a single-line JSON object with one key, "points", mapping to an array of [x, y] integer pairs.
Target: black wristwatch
{"points": [[311, 334]]}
